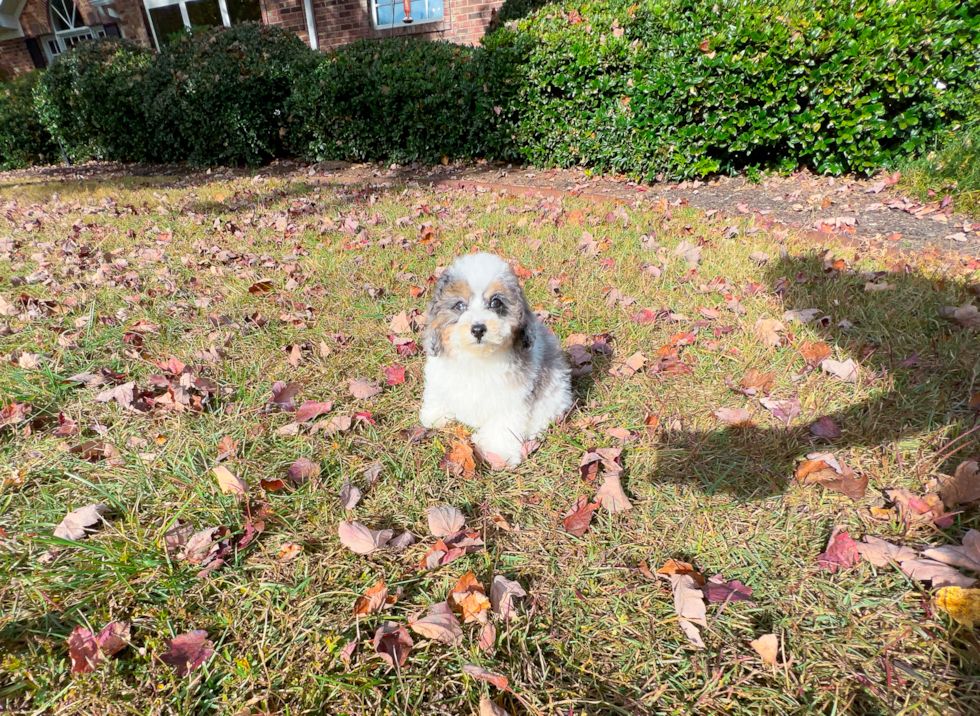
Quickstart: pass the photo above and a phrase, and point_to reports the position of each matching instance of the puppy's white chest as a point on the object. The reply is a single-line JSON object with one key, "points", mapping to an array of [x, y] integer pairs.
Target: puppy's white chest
{"points": [[475, 390]]}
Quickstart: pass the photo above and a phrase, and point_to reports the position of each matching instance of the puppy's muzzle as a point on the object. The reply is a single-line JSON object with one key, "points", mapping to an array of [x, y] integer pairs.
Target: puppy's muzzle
{"points": [[478, 330]]}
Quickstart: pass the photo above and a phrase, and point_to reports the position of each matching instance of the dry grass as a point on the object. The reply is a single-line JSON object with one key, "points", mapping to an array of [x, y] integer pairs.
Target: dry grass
{"points": [[596, 636]]}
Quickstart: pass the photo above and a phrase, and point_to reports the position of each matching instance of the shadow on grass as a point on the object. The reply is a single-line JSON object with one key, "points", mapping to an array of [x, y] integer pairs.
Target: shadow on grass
{"points": [[917, 374]]}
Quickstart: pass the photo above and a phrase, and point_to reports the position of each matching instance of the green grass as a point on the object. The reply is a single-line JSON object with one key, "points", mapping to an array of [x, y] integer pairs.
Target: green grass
{"points": [[953, 168], [595, 635]]}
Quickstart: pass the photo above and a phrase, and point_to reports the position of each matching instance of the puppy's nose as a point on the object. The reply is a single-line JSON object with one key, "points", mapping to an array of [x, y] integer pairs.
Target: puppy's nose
{"points": [[478, 330]]}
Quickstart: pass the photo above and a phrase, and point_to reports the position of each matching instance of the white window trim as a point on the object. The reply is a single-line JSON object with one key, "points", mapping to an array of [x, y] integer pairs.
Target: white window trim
{"points": [[394, 25], [153, 4]]}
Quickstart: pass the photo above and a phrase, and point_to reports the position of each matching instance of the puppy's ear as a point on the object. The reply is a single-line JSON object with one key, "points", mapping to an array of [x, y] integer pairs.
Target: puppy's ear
{"points": [[524, 334], [432, 335]]}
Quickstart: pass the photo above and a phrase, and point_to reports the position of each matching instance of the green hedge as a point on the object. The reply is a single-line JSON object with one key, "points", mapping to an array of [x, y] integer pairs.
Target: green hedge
{"points": [[23, 139], [687, 87], [220, 96], [405, 100], [91, 101]]}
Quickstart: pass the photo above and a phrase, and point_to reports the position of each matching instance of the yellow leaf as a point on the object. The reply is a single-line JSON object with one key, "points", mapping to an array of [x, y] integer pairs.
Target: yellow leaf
{"points": [[961, 604]]}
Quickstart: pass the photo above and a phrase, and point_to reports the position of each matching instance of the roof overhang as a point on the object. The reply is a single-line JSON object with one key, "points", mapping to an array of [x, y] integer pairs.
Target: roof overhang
{"points": [[10, 27]]}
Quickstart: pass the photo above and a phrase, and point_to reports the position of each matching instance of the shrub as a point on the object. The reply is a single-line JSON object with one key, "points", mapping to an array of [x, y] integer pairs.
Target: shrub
{"points": [[219, 96], [404, 100], [23, 139], [686, 87], [90, 101]]}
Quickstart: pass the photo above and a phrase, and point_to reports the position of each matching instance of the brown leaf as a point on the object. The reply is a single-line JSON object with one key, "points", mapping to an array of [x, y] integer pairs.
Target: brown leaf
{"points": [[227, 447], [675, 566], [941, 575], [439, 624], [177, 535], [689, 606], [400, 324], [358, 538], [488, 638], [483, 675], [113, 637], [303, 470], [962, 487], [229, 483], [881, 553], [503, 592], [362, 389], [611, 495], [966, 555], [824, 427], [841, 552], [349, 496], [83, 650], [122, 394], [445, 520], [75, 525], [188, 651], [753, 381], [289, 551], [630, 366], [846, 371], [459, 460], [739, 417], [577, 519], [914, 509], [767, 330], [262, 287], [336, 424], [372, 601], [966, 316], [393, 643], [814, 353], [469, 599], [767, 647], [284, 393]]}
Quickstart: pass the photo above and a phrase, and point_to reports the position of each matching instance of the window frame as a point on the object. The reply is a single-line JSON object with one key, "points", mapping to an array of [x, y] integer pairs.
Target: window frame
{"points": [[60, 41], [395, 25], [154, 4]]}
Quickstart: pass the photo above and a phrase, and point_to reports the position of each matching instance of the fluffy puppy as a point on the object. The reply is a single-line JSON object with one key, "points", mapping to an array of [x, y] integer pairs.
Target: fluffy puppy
{"points": [[490, 363]]}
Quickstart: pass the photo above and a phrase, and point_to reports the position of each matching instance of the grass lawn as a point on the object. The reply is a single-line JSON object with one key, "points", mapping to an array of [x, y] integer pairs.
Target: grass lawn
{"points": [[118, 276]]}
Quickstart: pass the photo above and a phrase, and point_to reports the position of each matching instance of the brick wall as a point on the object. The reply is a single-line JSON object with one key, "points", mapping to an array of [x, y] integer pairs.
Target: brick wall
{"points": [[337, 22]]}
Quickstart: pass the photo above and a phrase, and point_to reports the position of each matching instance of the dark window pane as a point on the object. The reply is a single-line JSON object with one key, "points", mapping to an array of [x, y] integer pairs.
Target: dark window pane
{"points": [[167, 22], [204, 13], [244, 11], [112, 31], [37, 57]]}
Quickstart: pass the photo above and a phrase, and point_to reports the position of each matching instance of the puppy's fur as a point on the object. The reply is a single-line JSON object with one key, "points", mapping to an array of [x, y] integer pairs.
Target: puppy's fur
{"points": [[491, 364]]}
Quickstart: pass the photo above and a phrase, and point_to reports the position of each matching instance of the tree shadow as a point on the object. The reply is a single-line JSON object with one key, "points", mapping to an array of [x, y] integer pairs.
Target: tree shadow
{"points": [[916, 376]]}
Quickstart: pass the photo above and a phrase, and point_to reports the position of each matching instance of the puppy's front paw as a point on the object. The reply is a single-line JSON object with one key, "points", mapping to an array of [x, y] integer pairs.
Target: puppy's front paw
{"points": [[434, 417], [500, 444]]}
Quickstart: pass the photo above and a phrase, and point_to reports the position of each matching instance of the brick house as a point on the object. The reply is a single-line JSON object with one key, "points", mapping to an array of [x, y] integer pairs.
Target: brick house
{"points": [[34, 32]]}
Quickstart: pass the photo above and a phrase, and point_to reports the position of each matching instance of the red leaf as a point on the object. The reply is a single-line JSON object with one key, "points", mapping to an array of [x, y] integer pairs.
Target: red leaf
{"points": [[841, 552], [188, 651], [394, 374], [577, 519], [310, 409]]}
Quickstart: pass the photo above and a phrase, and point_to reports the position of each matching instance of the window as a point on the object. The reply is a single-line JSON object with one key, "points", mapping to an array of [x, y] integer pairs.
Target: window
{"points": [[399, 13], [69, 29], [169, 18]]}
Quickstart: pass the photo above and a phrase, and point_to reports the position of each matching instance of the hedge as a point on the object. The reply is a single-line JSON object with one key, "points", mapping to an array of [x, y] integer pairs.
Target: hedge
{"points": [[686, 88], [91, 102], [405, 100], [23, 139], [220, 96]]}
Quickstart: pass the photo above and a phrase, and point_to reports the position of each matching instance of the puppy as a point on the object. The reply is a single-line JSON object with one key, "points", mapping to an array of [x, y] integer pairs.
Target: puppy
{"points": [[490, 363]]}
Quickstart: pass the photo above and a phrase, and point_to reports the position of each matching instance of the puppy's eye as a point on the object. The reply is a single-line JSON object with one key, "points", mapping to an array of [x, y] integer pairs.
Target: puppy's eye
{"points": [[496, 303], [459, 306]]}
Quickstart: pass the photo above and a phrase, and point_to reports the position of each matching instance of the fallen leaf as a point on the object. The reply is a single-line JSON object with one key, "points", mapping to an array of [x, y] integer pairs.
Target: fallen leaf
{"points": [[349, 496], [358, 538], [489, 708], [767, 646], [188, 651], [630, 366], [469, 599], [966, 316], [393, 643], [963, 605], [503, 592], [803, 315], [88, 650], [394, 374], [767, 330], [753, 381], [439, 624], [841, 552], [362, 389], [177, 536], [459, 460], [400, 323], [263, 287], [302, 471], [914, 509], [227, 447], [716, 590], [483, 675], [284, 393], [336, 424], [577, 519], [675, 566], [311, 409], [814, 353], [689, 606], [611, 495], [445, 520], [941, 575], [372, 601], [289, 551], [881, 553], [846, 371], [962, 487], [965, 555], [74, 526], [122, 394], [824, 469], [738, 417], [760, 257], [824, 427], [488, 638], [229, 483], [782, 410]]}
